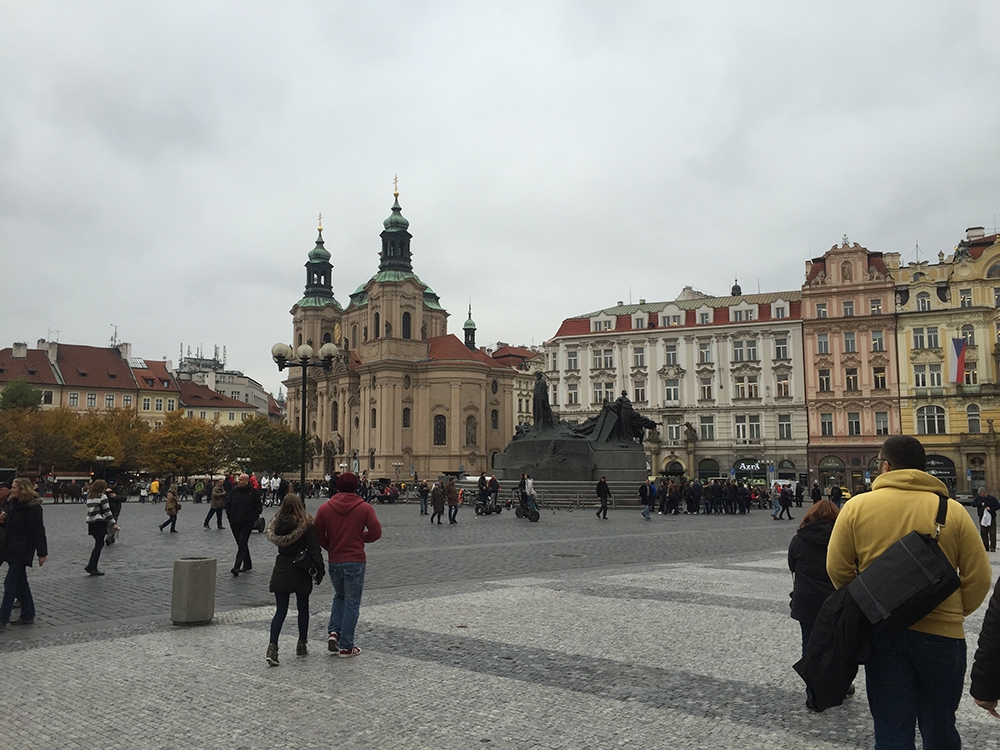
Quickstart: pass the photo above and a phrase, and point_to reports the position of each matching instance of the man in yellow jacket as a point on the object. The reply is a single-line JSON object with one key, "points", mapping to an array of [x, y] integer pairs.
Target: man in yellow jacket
{"points": [[917, 675]]}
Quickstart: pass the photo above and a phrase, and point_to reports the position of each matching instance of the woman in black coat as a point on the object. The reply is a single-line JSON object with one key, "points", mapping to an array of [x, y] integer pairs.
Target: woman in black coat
{"points": [[21, 518], [292, 531], [807, 561]]}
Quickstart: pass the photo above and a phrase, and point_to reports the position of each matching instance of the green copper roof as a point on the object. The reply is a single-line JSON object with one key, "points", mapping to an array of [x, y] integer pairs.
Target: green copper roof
{"points": [[319, 302], [396, 222], [470, 324], [319, 253], [359, 297]]}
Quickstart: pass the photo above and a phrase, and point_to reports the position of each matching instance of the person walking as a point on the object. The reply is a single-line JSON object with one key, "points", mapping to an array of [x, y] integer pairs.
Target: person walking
{"points": [[217, 504], [154, 490], [344, 525], [437, 502], [423, 492], [914, 677], [451, 492], [816, 493], [807, 561], [986, 502], [243, 507], [785, 503], [292, 530], [776, 501], [603, 493], [647, 497], [99, 520], [24, 536], [172, 506]]}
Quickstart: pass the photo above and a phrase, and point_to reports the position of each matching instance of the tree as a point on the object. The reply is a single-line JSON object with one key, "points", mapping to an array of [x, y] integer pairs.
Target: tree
{"points": [[272, 448], [182, 446], [19, 394], [54, 441], [18, 429]]}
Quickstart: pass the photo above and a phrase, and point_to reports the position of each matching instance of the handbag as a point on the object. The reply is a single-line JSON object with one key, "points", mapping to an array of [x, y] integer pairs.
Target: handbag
{"points": [[907, 581], [303, 561]]}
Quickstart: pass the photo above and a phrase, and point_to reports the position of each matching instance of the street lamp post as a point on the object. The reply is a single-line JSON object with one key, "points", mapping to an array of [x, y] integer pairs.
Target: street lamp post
{"points": [[397, 465], [282, 355]]}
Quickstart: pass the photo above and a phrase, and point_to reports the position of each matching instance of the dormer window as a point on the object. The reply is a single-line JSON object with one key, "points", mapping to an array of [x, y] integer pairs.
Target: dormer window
{"points": [[639, 323]]}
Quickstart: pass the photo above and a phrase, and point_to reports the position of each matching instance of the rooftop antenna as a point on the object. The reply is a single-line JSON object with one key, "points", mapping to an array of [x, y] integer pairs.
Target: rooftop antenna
{"points": [[630, 294], [758, 285], [114, 335], [916, 251], [50, 331], [224, 362]]}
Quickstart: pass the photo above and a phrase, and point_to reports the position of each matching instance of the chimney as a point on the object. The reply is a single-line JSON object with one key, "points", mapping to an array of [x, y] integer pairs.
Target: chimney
{"points": [[51, 348], [642, 301], [19, 350], [125, 350], [619, 303], [975, 233]]}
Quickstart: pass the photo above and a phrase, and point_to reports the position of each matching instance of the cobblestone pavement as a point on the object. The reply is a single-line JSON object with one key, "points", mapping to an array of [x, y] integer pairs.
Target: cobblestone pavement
{"points": [[671, 633]]}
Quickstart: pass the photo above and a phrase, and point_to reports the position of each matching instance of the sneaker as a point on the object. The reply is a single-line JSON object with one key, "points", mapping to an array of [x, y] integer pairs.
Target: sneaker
{"points": [[23, 621], [272, 655], [333, 642], [301, 649], [347, 653]]}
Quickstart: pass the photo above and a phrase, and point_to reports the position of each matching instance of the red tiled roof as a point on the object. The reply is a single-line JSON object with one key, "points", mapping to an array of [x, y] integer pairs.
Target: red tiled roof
{"points": [[155, 370], [818, 265], [979, 246], [198, 395], [449, 348], [34, 368], [272, 406], [93, 367], [574, 327], [513, 351]]}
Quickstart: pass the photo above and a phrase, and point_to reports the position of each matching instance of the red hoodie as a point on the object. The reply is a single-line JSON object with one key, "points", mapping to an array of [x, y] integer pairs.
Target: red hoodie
{"points": [[344, 524]]}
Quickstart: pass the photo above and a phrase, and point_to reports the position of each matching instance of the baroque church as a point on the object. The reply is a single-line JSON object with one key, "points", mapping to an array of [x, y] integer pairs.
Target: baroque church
{"points": [[405, 398]]}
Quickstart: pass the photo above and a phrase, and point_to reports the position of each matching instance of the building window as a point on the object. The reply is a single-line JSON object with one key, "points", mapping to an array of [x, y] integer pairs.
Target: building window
{"points": [[704, 352], [878, 341], [824, 380], [157, 425], [972, 414], [965, 298], [46, 397], [849, 308], [918, 338], [354, 337], [109, 401], [737, 316], [639, 356], [495, 420], [407, 325], [159, 404], [232, 416], [934, 376], [996, 296], [747, 387], [127, 401], [851, 379], [604, 359], [853, 423], [850, 343], [374, 419], [554, 398], [923, 302], [673, 428], [91, 400], [640, 323], [920, 376], [821, 310], [779, 312], [673, 392], [671, 354], [826, 425], [378, 325], [440, 430], [823, 343], [932, 338], [572, 360], [971, 377], [740, 427], [572, 394], [969, 334], [751, 350], [171, 404], [878, 378], [706, 389], [406, 416], [781, 348], [875, 306], [784, 427], [703, 318], [202, 414], [930, 420], [640, 391], [754, 423], [604, 391], [881, 423], [707, 425], [782, 389], [675, 320], [737, 351]]}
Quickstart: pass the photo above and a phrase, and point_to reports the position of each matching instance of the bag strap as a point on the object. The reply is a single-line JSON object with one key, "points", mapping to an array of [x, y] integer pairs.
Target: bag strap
{"points": [[941, 514]]}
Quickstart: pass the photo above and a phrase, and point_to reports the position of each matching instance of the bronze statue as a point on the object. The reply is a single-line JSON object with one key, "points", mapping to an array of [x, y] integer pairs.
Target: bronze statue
{"points": [[540, 408]]}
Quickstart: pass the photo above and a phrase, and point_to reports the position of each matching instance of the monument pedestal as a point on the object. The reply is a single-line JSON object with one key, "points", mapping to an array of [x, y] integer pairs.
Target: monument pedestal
{"points": [[569, 460]]}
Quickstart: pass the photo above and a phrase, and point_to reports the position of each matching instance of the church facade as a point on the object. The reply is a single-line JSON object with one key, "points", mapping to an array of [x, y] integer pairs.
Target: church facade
{"points": [[404, 398]]}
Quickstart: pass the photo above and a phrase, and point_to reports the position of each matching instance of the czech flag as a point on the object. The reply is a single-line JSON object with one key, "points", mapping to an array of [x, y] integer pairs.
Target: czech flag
{"points": [[957, 364]]}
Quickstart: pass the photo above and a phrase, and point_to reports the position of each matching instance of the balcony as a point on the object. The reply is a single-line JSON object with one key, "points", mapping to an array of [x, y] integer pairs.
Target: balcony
{"points": [[747, 441]]}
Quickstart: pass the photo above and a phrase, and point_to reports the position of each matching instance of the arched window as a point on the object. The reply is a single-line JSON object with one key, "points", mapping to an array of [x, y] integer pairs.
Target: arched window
{"points": [[930, 420], [354, 336], [994, 271], [440, 430], [327, 338], [374, 418], [923, 301], [376, 321], [406, 416], [406, 325], [300, 339], [471, 428], [495, 419], [972, 414], [969, 334], [334, 416]]}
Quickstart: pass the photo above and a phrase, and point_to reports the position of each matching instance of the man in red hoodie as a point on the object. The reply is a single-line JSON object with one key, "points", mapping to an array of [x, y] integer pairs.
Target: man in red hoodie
{"points": [[344, 524]]}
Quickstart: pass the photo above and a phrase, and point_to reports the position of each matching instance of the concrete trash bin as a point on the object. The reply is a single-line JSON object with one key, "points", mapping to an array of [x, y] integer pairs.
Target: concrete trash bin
{"points": [[193, 601]]}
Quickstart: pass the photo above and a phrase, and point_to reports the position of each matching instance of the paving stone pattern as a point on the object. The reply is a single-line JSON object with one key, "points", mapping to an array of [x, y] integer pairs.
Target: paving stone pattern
{"points": [[671, 633]]}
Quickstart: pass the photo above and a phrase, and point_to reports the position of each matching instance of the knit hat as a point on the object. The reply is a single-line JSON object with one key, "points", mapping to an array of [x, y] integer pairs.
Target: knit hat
{"points": [[347, 482]]}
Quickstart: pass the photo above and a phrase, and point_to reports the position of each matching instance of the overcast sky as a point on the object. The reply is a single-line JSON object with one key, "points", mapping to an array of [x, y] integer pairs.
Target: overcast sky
{"points": [[162, 164]]}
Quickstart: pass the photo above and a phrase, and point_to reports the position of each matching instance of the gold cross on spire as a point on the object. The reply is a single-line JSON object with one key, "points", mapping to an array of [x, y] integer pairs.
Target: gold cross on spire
{"points": [[321, 222], [395, 186]]}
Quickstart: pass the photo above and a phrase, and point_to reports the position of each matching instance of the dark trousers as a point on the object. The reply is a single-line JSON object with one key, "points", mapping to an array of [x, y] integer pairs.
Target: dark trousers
{"points": [[989, 534], [241, 533], [213, 512], [171, 522], [282, 598], [437, 513], [604, 508], [98, 530], [15, 585]]}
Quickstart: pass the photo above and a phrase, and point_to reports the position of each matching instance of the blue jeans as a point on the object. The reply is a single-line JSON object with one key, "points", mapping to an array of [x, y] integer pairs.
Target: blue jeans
{"points": [[348, 579], [915, 679], [15, 586]]}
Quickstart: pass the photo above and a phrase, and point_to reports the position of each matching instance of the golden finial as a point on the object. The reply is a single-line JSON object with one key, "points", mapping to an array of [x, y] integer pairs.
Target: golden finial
{"points": [[395, 186], [320, 222]]}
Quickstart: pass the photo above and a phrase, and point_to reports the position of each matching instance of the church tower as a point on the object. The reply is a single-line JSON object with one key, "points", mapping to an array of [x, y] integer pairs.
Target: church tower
{"points": [[470, 331], [395, 255]]}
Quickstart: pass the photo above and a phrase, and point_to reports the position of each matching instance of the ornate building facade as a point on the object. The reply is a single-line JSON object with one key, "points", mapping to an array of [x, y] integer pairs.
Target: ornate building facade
{"points": [[405, 397], [723, 376]]}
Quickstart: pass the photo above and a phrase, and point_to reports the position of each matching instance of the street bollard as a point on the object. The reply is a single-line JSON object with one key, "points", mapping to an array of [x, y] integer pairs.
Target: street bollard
{"points": [[193, 601]]}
